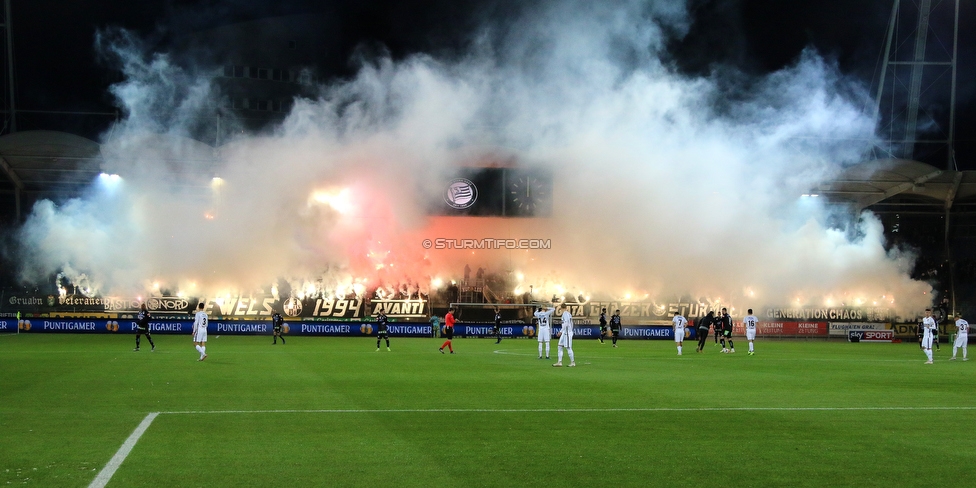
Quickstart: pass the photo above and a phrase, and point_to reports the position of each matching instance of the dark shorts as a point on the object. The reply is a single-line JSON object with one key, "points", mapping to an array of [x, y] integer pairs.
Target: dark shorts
{"points": [[381, 333], [276, 329], [495, 329], [615, 331], [727, 333], [449, 332], [142, 330]]}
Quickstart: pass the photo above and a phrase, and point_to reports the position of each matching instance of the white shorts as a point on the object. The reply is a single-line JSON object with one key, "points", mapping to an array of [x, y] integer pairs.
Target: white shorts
{"points": [[566, 340], [201, 335], [962, 340], [750, 334], [545, 334], [927, 340], [679, 335]]}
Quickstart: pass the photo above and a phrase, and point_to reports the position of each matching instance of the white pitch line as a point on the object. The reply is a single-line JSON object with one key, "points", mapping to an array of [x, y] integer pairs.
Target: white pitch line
{"points": [[765, 358], [105, 475], [570, 410]]}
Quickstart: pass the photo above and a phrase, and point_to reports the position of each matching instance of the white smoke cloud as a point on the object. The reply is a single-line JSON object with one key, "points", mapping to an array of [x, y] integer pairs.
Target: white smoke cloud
{"points": [[663, 185]]}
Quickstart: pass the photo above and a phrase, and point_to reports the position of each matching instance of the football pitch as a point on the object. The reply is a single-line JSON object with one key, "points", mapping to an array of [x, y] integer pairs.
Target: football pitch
{"points": [[78, 409]]}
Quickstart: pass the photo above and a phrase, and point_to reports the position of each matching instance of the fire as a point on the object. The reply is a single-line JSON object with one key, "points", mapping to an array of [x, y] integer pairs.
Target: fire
{"points": [[338, 200]]}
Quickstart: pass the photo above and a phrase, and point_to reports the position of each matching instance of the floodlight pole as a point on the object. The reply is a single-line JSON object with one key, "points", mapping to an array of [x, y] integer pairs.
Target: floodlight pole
{"points": [[887, 57], [918, 65], [951, 163], [10, 65]]}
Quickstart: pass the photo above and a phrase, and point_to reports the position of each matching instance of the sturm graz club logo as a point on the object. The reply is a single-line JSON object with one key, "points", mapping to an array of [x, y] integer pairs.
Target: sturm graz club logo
{"points": [[461, 193], [292, 307]]}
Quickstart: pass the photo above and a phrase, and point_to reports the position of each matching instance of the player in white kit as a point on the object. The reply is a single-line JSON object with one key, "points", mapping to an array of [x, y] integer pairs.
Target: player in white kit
{"points": [[679, 323], [545, 332], [928, 331], [962, 338], [200, 323], [566, 338], [749, 322]]}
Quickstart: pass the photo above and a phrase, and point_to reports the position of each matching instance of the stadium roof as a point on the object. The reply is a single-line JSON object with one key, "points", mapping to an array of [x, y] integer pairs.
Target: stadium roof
{"points": [[41, 163], [878, 181]]}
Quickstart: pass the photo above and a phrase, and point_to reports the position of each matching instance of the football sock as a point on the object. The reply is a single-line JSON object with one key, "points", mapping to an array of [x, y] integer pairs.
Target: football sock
{"points": [[679, 349], [750, 347], [954, 348], [723, 343], [445, 344], [149, 338], [198, 348], [377, 342], [559, 355], [387, 341], [282, 340], [928, 354], [450, 346], [615, 339], [547, 349], [137, 342], [540, 349], [731, 346], [572, 357]]}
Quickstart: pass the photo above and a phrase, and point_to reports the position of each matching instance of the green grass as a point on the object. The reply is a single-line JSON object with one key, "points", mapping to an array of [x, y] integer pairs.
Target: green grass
{"points": [[68, 402]]}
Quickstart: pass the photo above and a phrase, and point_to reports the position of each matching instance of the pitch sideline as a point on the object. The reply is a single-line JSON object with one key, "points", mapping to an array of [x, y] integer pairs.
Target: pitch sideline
{"points": [[105, 475]]}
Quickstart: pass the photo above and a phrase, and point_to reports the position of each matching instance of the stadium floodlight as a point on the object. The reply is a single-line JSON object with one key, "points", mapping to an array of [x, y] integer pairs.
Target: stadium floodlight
{"points": [[109, 180]]}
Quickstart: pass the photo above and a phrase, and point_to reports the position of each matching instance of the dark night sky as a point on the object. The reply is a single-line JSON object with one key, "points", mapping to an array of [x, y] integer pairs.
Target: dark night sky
{"points": [[57, 67]]}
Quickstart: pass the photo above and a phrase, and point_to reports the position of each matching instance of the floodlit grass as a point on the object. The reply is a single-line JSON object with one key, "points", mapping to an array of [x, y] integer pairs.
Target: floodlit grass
{"points": [[333, 412]]}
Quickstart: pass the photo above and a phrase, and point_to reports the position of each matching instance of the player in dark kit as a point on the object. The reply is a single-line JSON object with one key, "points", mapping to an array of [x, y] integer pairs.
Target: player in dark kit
{"points": [[717, 328], [381, 332], [920, 332], [142, 326], [725, 323], [703, 324], [276, 323], [497, 328], [943, 319], [615, 326], [603, 324]]}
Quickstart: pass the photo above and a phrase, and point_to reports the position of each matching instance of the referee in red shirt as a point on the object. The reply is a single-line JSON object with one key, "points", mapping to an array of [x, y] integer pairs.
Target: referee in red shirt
{"points": [[448, 330]]}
